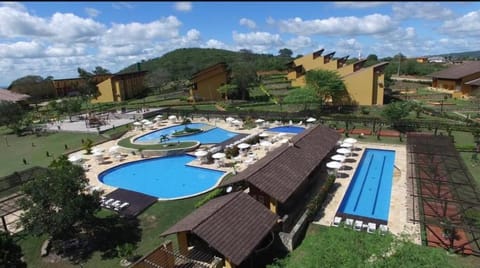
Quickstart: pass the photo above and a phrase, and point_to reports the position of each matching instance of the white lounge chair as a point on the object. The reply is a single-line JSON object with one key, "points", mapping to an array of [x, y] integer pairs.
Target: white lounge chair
{"points": [[349, 223], [372, 227], [383, 229], [122, 206], [106, 203], [114, 204], [358, 225], [336, 221]]}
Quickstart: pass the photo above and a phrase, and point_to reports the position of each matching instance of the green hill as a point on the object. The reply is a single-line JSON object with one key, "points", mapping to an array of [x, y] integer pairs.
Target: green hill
{"points": [[181, 63]]}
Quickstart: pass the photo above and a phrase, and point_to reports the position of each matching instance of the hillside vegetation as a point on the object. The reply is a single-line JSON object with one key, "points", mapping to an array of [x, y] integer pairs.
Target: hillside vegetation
{"points": [[180, 64]]}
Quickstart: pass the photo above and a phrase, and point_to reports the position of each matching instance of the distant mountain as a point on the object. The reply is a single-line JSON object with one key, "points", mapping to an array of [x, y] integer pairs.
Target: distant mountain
{"points": [[182, 63], [472, 55]]}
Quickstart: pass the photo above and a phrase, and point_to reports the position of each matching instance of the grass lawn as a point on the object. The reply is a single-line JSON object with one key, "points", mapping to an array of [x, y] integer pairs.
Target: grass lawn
{"points": [[34, 149], [153, 222]]}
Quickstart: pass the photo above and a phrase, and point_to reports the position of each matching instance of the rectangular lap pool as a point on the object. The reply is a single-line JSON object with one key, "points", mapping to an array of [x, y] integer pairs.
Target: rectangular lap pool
{"points": [[368, 195]]}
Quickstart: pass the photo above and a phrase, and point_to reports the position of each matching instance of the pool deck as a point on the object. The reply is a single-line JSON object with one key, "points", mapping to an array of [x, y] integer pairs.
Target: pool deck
{"points": [[398, 219], [96, 168]]}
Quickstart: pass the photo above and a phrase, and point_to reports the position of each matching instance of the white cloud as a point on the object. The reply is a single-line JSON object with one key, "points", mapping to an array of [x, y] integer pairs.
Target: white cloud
{"points": [[260, 42], [399, 34], [213, 43], [22, 50], [18, 23], [299, 43], [122, 5], [183, 6], [468, 24], [248, 23], [421, 10], [359, 4], [71, 28], [270, 21], [14, 5], [370, 24], [62, 50], [346, 47], [123, 34], [92, 12]]}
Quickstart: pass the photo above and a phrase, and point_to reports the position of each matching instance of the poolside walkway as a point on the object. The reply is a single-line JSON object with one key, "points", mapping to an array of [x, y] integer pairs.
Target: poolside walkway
{"points": [[398, 220], [96, 168]]}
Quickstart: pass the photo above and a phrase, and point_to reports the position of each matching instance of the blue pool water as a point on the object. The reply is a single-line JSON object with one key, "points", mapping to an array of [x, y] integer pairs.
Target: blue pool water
{"points": [[287, 129], [164, 177], [368, 194], [214, 135]]}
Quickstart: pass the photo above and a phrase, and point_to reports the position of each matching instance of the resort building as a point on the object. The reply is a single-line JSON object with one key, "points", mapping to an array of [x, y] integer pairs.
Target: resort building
{"points": [[365, 85], [422, 59], [279, 187], [120, 87], [206, 82], [72, 86], [459, 80]]}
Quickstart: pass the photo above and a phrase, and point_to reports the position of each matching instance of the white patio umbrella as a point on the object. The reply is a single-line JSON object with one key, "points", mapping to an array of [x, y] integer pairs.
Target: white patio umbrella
{"points": [[344, 151], [148, 123], [346, 145], [264, 135], [113, 149], [259, 120], [229, 119], [236, 122], [338, 157], [311, 120], [98, 150], [75, 159], [243, 146], [144, 120], [334, 164], [137, 123], [218, 155], [350, 140], [201, 153], [172, 117]]}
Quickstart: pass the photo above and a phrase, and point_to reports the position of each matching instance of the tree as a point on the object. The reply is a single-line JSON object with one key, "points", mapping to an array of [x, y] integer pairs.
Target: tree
{"points": [[89, 87], [244, 76], [99, 70], [11, 114], [327, 84], [35, 86], [10, 252], [396, 111], [285, 52], [56, 201], [227, 90], [372, 57], [304, 95]]}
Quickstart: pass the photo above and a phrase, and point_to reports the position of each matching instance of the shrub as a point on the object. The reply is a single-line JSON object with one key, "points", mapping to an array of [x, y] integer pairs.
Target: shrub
{"points": [[210, 196], [231, 152], [364, 110], [318, 200]]}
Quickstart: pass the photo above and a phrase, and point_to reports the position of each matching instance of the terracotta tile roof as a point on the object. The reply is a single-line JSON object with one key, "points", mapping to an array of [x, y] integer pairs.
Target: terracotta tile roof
{"points": [[475, 82], [282, 171], [7, 95], [233, 224], [458, 71]]}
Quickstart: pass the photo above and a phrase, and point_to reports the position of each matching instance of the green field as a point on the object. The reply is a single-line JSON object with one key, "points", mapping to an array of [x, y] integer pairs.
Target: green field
{"points": [[34, 149]]}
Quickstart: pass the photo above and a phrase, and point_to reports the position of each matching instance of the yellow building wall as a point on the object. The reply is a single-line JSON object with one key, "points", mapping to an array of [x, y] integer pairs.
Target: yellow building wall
{"points": [[347, 69], [332, 65], [105, 92], [366, 87], [208, 84]]}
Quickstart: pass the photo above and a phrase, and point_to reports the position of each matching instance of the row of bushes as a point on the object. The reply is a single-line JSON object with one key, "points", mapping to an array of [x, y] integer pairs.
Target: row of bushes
{"points": [[318, 200]]}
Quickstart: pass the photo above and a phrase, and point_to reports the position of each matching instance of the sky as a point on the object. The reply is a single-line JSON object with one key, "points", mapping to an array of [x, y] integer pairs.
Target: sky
{"points": [[56, 38]]}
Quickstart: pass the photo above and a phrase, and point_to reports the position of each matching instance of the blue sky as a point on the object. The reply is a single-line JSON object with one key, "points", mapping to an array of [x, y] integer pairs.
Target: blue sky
{"points": [[55, 38]]}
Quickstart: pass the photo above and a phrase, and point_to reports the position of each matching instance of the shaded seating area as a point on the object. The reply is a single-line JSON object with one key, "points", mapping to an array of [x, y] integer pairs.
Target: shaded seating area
{"points": [[127, 203], [233, 225]]}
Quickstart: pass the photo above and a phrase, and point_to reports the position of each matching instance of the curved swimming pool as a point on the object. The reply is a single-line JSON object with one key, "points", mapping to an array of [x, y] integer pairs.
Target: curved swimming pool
{"points": [[163, 177], [288, 129], [212, 135]]}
